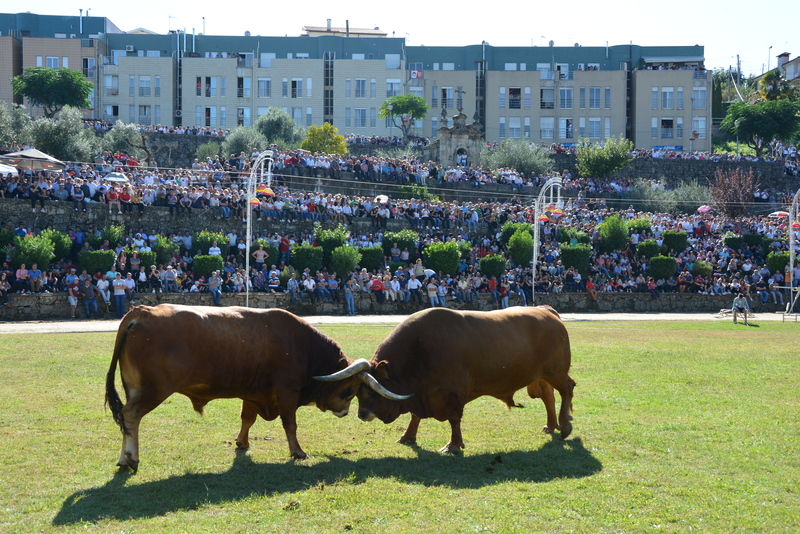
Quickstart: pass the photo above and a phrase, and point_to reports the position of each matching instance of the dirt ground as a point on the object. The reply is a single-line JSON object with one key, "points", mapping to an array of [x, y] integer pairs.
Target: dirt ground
{"points": [[111, 325]]}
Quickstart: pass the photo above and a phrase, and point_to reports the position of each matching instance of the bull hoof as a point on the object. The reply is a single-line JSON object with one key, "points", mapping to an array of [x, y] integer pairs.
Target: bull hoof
{"points": [[129, 464], [242, 445], [566, 430], [407, 441], [547, 430], [451, 449], [299, 455]]}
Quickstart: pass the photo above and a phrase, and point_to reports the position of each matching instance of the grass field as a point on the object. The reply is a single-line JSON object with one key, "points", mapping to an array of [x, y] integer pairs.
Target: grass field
{"points": [[678, 427]]}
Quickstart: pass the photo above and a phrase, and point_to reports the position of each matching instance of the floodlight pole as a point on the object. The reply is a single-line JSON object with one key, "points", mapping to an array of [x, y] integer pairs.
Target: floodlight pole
{"points": [[256, 171], [549, 186]]}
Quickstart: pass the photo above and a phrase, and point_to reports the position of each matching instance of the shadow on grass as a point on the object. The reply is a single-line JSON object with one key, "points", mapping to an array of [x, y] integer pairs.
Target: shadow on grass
{"points": [[119, 500]]}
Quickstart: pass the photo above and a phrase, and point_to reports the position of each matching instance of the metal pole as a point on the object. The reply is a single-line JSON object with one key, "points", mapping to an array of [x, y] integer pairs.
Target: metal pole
{"points": [[258, 165], [554, 182], [794, 291]]}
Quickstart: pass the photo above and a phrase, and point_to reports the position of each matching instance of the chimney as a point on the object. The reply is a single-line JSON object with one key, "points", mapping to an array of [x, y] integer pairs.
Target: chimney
{"points": [[782, 59], [329, 24]]}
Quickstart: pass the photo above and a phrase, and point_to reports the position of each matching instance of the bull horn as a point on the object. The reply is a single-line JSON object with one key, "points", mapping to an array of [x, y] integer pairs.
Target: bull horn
{"points": [[376, 386], [351, 370]]}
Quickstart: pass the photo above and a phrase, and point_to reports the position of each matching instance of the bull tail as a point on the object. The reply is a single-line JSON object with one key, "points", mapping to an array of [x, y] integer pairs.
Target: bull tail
{"points": [[112, 397]]}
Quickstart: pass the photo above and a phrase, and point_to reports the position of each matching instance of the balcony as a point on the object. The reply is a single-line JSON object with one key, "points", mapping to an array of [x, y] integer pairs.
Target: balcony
{"points": [[144, 91], [111, 91]]}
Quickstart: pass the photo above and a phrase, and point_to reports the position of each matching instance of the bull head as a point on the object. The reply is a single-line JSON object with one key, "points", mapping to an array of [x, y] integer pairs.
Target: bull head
{"points": [[360, 368]]}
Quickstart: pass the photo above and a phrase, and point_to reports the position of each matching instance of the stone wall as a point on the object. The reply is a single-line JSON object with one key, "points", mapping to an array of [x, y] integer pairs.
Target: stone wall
{"points": [[55, 306]]}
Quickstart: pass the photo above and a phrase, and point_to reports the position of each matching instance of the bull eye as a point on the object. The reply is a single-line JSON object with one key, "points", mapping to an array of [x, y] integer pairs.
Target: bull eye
{"points": [[346, 393]]}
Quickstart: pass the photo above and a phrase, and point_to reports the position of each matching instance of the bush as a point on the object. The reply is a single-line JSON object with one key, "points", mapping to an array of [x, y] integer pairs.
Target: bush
{"points": [[420, 192], [567, 234], [7, 235], [648, 248], [777, 261], [443, 257], [164, 249], [404, 239], [520, 247], [524, 157], [613, 234], [702, 268], [510, 228], [732, 241], [114, 233], [465, 247], [676, 241], [32, 249], [577, 256], [96, 260], [62, 244], [371, 258], [344, 259], [329, 239], [662, 267], [595, 160], [208, 150], [148, 258], [202, 241], [492, 265], [638, 225], [205, 265], [307, 256]]}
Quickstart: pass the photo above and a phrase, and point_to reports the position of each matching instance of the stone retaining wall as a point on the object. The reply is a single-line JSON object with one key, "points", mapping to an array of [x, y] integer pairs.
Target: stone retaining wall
{"points": [[55, 306]]}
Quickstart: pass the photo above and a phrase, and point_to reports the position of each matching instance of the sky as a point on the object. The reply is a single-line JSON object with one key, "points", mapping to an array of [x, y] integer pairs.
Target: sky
{"points": [[756, 32]]}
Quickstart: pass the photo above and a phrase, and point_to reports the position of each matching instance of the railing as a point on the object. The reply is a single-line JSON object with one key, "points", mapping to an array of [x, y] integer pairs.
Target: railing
{"points": [[666, 133], [144, 91], [89, 73], [144, 119], [246, 62], [111, 91]]}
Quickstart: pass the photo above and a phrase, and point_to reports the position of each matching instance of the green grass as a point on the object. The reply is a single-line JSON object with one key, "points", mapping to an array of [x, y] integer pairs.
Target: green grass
{"points": [[679, 427]]}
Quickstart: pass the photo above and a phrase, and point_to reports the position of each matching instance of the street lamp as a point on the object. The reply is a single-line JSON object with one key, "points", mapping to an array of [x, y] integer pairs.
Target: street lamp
{"points": [[257, 171], [548, 187], [391, 118], [736, 123]]}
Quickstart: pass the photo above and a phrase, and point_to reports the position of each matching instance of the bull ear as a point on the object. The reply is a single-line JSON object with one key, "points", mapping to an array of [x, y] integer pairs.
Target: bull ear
{"points": [[351, 370], [382, 370]]}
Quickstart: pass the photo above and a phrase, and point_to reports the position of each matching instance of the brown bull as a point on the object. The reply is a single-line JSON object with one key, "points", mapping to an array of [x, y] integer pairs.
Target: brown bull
{"points": [[264, 357], [445, 358]]}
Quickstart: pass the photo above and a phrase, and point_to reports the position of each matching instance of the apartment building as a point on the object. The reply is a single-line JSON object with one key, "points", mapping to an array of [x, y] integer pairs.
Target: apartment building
{"points": [[655, 96]]}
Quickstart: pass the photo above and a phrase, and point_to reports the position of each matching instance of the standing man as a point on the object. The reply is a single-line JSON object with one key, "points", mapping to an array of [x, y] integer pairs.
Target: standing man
{"points": [[89, 293], [72, 296], [215, 287], [119, 294]]}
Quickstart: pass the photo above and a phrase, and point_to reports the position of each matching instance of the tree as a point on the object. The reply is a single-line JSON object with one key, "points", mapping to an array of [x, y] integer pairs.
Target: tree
{"points": [[732, 191], [324, 139], [613, 234], [53, 88], [758, 124], [243, 139], [773, 85], [521, 156], [14, 125], [278, 127], [603, 160], [65, 138], [406, 109], [128, 138]]}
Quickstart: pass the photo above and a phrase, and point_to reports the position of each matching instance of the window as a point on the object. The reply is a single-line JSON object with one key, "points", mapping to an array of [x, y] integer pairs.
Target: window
{"points": [[447, 97], [361, 118], [699, 98], [154, 53], [347, 119], [309, 116], [502, 133], [523, 66], [563, 71], [285, 88], [210, 117], [392, 88], [264, 88], [222, 91], [131, 85], [243, 116], [654, 98], [111, 84], [132, 113], [297, 116], [594, 98], [266, 60], [667, 130], [594, 127], [565, 98], [544, 71], [157, 89], [434, 97], [582, 127], [392, 61], [510, 66], [373, 88], [242, 88], [51, 62], [527, 101], [87, 65], [308, 87], [546, 125], [417, 91], [679, 128], [654, 128], [667, 98], [434, 126], [527, 131], [699, 126], [111, 112], [261, 111], [515, 127], [301, 55], [679, 98], [348, 84], [211, 86], [223, 116], [607, 127], [565, 129], [448, 66], [297, 87], [144, 85], [582, 98], [199, 86], [373, 117], [514, 97], [547, 96], [361, 87], [607, 98], [358, 56], [502, 98]]}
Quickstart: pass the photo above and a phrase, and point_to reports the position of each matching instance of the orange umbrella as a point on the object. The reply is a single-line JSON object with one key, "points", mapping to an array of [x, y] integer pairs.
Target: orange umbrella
{"points": [[544, 218], [255, 202]]}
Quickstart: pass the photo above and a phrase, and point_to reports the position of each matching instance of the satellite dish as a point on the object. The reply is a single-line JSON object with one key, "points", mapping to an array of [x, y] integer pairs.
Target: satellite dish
{"points": [[551, 43]]}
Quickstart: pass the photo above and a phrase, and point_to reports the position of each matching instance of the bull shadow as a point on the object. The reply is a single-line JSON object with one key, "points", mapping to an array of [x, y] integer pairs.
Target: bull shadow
{"points": [[119, 500]]}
